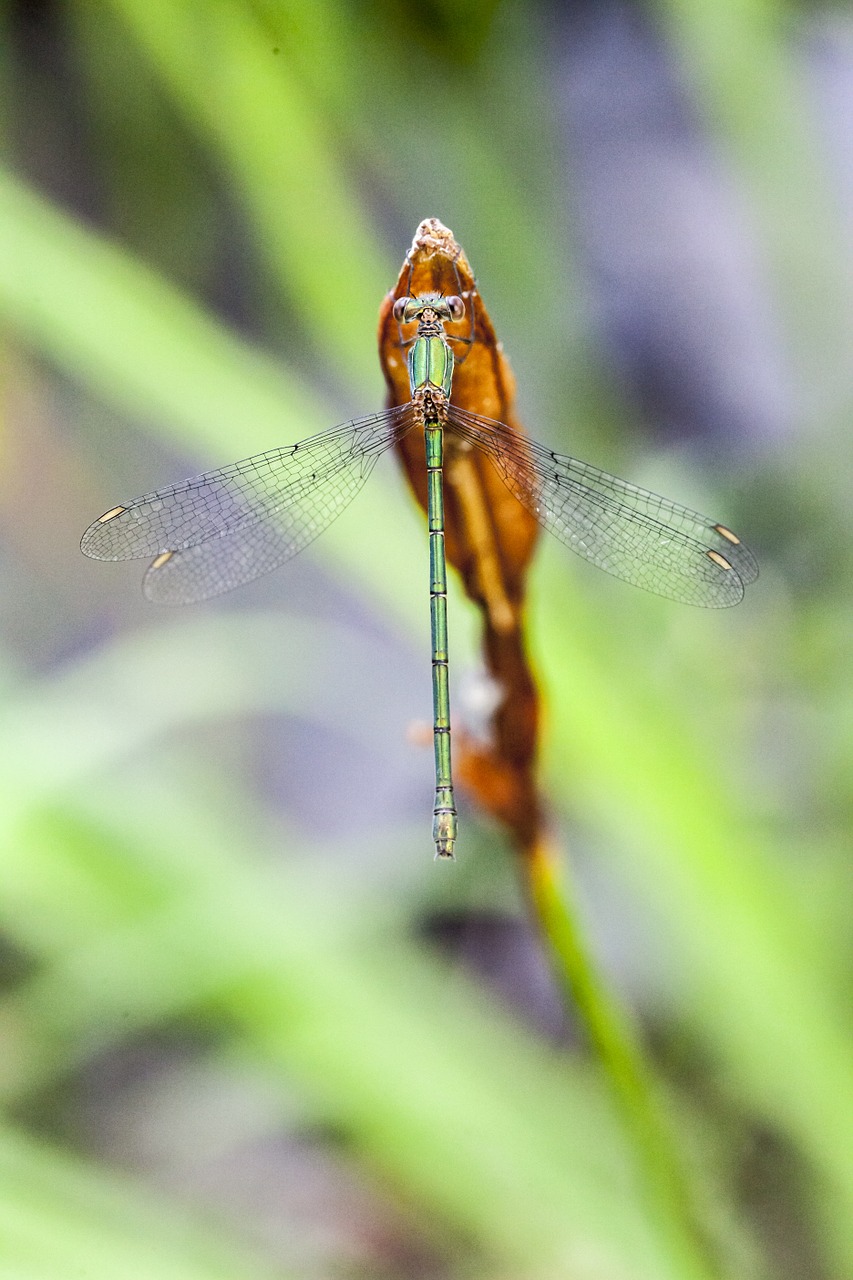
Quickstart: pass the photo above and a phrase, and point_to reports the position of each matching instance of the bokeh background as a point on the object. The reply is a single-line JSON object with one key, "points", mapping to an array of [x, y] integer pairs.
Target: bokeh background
{"points": [[248, 1027]]}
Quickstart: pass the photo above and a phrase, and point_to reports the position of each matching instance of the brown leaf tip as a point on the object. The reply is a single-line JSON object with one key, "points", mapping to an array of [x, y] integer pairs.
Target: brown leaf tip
{"points": [[432, 237]]}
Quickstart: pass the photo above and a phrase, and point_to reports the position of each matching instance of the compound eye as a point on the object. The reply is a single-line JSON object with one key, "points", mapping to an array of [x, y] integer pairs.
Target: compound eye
{"points": [[456, 307], [401, 306]]}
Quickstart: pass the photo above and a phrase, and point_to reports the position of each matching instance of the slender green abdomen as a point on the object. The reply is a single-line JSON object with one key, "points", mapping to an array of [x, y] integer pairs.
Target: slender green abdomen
{"points": [[444, 812], [431, 364]]}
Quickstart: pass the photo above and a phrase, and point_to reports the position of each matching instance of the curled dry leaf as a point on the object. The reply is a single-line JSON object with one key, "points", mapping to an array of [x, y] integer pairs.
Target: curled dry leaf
{"points": [[490, 536]]}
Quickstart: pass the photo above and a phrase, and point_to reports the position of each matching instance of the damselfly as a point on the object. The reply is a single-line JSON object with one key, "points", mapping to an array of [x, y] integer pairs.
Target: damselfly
{"points": [[225, 527]]}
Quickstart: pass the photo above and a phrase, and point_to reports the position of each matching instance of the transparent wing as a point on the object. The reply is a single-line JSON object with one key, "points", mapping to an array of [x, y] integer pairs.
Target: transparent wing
{"points": [[226, 527], [632, 533]]}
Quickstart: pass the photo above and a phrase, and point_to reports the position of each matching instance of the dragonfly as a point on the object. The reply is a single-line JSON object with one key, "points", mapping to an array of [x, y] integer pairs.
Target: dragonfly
{"points": [[226, 527]]}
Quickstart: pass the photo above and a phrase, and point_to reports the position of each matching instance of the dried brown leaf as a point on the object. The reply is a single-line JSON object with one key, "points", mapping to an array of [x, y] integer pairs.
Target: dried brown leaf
{"points": [[490, 536]]}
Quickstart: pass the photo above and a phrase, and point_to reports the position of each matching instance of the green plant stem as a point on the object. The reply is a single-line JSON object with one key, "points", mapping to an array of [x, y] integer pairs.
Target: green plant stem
{"points": [[671, 1194]]}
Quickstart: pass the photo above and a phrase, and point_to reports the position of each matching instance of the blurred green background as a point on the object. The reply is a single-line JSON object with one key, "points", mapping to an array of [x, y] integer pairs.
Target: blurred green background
{"points": [[249, 1028]]}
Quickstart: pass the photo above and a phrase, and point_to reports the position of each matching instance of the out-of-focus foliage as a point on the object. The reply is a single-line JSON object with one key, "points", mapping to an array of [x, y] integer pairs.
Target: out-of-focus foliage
{"points": [[248, 1027]]}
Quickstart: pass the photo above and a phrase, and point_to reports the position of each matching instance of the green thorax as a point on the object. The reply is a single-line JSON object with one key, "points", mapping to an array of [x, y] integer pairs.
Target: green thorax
{"points": [[431, 357], [431, 364]]}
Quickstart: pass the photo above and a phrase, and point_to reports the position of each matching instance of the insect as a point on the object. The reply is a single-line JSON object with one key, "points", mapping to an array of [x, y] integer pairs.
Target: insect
{"points": [[226, 527]]}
